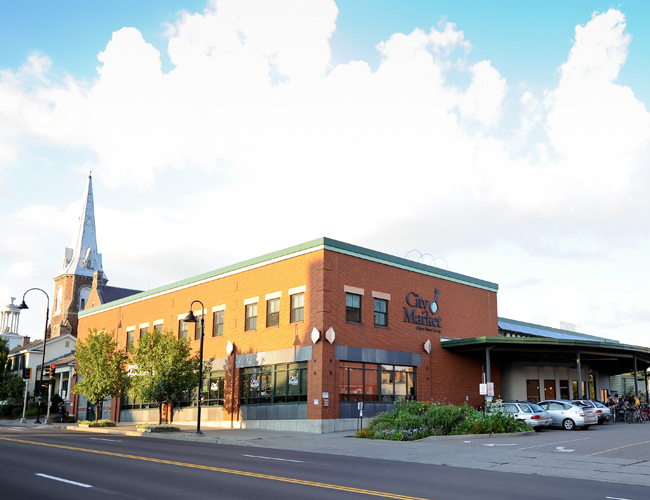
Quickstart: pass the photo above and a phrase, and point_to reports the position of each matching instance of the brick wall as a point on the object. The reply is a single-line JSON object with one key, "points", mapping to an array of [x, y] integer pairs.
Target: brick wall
{"points": [[465, 311]]}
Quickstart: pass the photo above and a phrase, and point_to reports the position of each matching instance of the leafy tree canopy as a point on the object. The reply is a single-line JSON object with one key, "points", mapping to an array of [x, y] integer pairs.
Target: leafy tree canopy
{"points": [[102, 367], [164, 369], [11, 385]]}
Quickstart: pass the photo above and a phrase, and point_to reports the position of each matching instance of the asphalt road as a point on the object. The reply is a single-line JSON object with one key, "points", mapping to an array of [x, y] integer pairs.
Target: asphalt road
{"points": [[51, 464]]}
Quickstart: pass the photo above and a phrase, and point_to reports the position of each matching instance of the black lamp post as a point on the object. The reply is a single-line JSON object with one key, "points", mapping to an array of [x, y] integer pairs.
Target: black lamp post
{"points": [[190, 318], [47, 317]]}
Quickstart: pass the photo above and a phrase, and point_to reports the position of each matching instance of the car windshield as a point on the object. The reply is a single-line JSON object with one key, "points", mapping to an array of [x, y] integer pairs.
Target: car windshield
{"points": [[599, 404], [535, 408]]}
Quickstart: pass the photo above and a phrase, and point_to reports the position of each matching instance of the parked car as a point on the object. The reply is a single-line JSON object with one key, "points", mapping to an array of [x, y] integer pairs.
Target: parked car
{"points": [[569, 415], [531, 413], [603, 412]]}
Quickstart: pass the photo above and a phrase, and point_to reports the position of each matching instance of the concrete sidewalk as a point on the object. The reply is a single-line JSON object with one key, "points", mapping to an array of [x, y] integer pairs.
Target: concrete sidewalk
{"points": [[454, 451]]}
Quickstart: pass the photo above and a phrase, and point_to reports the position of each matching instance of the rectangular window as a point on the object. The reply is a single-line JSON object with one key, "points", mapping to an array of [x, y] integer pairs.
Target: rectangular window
{"points": [[381, 312], [298, 308], [130, 338], [143, 331], [213, 389], [353, 307], [251, 317], [158, 327], [370, 382], [272, 312], [200, 323], [283, 383], [182, 329], [217, 324], [532, 390]]}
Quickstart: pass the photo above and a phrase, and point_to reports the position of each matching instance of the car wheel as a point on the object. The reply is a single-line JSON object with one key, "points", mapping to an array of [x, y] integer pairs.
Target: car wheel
{"points": [[569, 424]]}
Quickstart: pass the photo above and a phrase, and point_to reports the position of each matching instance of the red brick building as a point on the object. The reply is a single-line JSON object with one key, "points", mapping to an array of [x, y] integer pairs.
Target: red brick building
{"points": [[316, 329]]}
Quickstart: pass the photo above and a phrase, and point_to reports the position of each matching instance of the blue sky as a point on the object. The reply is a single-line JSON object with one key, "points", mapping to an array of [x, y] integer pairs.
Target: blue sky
{"points": [[525, 40], [508, 143]]}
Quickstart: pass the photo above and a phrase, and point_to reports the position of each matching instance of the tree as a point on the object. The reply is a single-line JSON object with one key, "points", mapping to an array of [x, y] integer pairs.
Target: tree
{"points": [[164, 369], [102, 367], [12, 386]]}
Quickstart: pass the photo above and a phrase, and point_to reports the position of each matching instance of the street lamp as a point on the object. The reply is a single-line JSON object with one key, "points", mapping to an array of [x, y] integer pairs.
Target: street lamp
{"points": [[47, 317], [190, 318]]}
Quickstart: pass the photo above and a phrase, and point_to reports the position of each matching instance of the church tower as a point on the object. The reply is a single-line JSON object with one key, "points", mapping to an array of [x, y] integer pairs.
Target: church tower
{"points": [[73, 283]]}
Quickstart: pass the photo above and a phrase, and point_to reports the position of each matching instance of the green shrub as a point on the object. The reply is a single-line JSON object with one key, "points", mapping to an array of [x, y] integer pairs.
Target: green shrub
{"points": [[7, 410], [412, 420]]}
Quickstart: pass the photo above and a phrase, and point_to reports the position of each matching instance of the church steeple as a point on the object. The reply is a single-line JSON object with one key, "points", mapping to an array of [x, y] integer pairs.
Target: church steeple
{"points": [[84, 259], [74, 281]]}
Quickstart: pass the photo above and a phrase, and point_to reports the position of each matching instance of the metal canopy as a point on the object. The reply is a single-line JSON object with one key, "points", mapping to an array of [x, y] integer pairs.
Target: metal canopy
{"points": [[606, 357]]}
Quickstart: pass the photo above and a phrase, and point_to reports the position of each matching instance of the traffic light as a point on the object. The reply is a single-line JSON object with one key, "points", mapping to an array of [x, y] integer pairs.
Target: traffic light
{"points": [[52, 370], [27, 373]]}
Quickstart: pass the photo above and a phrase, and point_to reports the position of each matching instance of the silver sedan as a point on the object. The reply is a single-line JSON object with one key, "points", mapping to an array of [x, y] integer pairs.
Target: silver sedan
{"points": [[569, 415]]}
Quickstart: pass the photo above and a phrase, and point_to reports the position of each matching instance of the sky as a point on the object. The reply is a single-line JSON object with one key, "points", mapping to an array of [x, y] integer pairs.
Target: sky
{"points": [[508, 141]]}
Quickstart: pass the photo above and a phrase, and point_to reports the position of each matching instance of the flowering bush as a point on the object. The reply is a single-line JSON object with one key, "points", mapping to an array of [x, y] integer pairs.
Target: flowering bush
{"points": [[411, 420]]}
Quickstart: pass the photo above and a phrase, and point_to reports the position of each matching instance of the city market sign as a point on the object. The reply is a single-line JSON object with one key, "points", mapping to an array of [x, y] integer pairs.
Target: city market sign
{"points": [[422, 312]]}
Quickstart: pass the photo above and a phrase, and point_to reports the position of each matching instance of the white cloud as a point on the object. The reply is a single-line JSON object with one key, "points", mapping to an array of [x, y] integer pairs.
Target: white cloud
{"points": [[255, 136]]}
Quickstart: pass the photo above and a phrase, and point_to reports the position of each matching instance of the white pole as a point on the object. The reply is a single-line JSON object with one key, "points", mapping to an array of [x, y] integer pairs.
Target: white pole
{"points": [[49, 402], [23, 420]]}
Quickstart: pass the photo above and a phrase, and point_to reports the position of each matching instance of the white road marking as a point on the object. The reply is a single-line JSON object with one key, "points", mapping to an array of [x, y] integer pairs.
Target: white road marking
{"points": [[551, 444], [65, 481], [111, 440], [495, 444], [272, 458], [561, 448], [21, 429], [616, 498]]}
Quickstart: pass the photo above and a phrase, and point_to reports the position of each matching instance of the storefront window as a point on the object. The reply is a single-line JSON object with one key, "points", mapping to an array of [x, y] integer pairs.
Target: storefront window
{"points": [[213, 389], [283, 383], [371, 382]]}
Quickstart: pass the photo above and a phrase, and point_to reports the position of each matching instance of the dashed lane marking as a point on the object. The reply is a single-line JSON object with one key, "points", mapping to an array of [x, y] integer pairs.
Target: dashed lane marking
{"points": [[361, 491], [75, 483]]}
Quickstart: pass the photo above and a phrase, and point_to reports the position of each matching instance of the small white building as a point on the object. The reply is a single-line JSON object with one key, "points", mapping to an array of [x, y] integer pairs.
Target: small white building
{"points": [[58, 351]]}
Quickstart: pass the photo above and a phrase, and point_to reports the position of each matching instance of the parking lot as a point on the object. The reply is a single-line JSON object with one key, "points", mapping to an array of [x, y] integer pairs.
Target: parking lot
{"points": [[609, 440]]}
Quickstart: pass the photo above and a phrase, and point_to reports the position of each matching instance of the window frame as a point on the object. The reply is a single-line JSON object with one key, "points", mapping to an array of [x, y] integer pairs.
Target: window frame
{"points": [[183, 329], [352, 312], [130, 340], [297, 310], [197, 326], [217, 326], [250, 320], [273, 317], [379, 314]]}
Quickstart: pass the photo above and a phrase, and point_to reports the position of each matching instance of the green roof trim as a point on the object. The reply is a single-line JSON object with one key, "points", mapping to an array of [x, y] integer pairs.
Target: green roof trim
{"points": [[384, 258], [530, 341], [327, 244]]}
